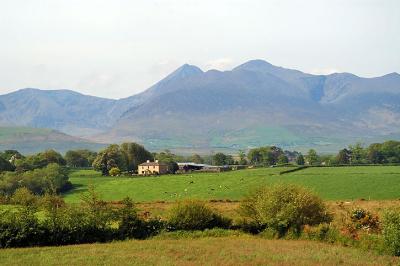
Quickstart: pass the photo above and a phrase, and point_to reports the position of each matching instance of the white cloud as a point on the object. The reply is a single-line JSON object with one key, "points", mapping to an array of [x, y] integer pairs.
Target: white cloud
{"points": [[324, 71], [219, 64]]}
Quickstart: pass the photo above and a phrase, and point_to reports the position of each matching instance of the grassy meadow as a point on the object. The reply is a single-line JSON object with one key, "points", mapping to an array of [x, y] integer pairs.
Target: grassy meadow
{"points": [[331, 183], [343, 188], [231, 250]]}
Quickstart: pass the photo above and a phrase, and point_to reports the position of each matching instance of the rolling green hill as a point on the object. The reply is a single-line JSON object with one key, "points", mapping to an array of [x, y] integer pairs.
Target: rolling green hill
{"points": [[331, 183], [31, 140]]}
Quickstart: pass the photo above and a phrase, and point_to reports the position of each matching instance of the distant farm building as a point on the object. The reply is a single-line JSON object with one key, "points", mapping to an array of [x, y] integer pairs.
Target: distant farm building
{"points": [[152, 168], [190, 166]]}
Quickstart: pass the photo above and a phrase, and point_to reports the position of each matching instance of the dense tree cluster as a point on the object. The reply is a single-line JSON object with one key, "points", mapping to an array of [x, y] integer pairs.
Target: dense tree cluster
{"points": [[125, 157], [80, 158], [51, 178], [39, 160], [376, 153], [222, 159], [268, 155], [170, 159], [39, 173]]}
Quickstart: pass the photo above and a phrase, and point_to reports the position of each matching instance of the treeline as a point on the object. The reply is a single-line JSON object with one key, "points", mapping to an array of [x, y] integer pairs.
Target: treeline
{"points": [[40, 173], [387, 152]]}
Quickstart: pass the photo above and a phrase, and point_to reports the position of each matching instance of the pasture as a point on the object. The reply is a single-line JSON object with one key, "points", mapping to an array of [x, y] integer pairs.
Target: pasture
{"points": [[331, 183], [228, 250]]}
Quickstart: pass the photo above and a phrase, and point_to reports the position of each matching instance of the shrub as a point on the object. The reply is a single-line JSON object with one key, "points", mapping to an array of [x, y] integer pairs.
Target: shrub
{"points": [[4, 199], [195, 215], [52, 178], [23, 196], [391, 231], [363, 219], [132, 226], [19, 228], [359, 221], [283, 207], [321, 232], [251, 227], [114, 171]]}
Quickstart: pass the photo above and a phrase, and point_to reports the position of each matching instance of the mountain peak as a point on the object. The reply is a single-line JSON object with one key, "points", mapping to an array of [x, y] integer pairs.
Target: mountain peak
{"points": [[393, 74], [256, 64], [188, 69], [184, 71]]}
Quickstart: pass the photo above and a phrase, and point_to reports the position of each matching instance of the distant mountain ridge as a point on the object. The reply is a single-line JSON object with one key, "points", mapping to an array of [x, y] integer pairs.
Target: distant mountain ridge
{"points": [[254, 104], [32, 140]]}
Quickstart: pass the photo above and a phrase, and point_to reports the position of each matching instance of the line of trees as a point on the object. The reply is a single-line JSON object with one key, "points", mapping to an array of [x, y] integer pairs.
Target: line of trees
{"points": [[376, 153]]}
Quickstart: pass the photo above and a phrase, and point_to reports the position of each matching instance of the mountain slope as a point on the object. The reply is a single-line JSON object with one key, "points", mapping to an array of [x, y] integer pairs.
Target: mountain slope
{"points": [[257, 104], [32, 140], [64, 110], [254, 104]]}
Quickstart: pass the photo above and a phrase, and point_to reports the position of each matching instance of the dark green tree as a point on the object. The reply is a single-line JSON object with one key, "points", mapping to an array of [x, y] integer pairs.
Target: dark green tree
{"points": [[242, 157], [39, 160], [134, 155], [300, 159], [343, 157], [357, 153], [109, 158], [11, 155], [5, 165], [282, 159], [312, 157], [196, 159], [219, 159]]}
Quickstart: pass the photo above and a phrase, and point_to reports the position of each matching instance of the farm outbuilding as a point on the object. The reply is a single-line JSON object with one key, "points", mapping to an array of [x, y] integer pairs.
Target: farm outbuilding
{"points": [[189, 167]]}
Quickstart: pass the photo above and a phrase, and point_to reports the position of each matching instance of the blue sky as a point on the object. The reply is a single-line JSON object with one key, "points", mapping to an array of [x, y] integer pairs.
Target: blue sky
{"points": [[117, 48]]}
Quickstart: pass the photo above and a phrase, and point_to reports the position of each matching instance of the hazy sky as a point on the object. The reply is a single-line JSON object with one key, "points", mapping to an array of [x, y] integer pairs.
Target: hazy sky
{"points": [[118, 48]]}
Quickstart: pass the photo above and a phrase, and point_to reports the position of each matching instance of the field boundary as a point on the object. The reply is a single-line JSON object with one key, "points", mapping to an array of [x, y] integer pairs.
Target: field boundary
{"points": [[293, 170]]}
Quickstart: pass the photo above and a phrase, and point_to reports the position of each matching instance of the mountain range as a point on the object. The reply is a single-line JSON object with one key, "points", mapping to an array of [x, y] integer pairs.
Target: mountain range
{"points": [[251, 105]]}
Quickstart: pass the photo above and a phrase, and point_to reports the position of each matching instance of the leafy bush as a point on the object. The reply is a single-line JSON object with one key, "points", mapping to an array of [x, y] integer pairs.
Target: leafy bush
{"points": [[132, 226], [195, 215], [19, 228], [114, 171], [39, 160], [321, 232], [391, 231], [283, 207], [80, 158], [363, 219], [359, 221], [92, 221], [249, 226], [23, 196], [52, 178], [4, 199]]}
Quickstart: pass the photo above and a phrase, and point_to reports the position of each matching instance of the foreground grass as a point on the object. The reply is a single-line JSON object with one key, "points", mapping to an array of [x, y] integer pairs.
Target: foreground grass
{"points": [[331, 183], [234, 250]]}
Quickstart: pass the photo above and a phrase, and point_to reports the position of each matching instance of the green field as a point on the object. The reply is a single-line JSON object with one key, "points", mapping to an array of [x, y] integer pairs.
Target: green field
{"points": [[234, 250], [331, 183]]}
